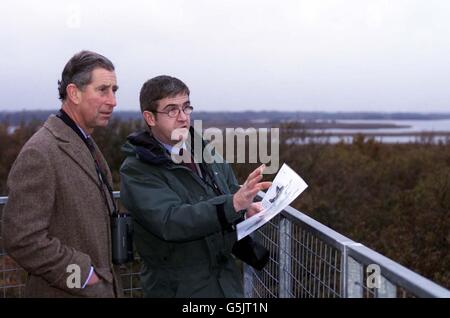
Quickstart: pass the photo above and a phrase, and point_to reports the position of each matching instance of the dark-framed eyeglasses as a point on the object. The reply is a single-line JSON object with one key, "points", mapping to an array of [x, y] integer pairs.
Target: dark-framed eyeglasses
{"points": [[174, 111]]}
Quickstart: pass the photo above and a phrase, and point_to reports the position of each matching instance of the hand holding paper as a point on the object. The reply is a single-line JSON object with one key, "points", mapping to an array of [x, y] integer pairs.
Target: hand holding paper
{"points": [[244, 197], [253, 209], [286, 186]]}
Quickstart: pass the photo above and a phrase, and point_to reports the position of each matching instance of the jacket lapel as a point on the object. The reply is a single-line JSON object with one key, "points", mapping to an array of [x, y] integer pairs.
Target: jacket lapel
{"points": [[81, 157], [71, 144]]}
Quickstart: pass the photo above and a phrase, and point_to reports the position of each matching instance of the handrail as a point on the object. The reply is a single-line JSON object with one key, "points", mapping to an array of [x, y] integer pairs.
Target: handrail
{"points": [[390, 269], [354, 256]]}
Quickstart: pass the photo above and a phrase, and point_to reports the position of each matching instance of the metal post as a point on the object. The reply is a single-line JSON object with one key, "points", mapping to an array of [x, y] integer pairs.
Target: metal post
{"points": [[285, 281], [354, 278]]}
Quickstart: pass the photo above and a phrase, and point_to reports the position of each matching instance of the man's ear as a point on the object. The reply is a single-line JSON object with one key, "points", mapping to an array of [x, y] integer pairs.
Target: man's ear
{"points": [[73, 93], [149, 118]]}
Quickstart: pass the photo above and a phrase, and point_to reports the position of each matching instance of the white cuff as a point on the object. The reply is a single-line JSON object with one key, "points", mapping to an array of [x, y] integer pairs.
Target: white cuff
{"points": [[89, 277]]}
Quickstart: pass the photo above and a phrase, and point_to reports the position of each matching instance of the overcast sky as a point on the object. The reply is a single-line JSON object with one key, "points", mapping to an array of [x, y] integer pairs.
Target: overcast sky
{"points": [[321, 55]]}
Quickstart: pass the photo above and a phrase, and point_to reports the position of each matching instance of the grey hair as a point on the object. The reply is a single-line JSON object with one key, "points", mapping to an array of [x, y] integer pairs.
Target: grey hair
{"points": [[78, 70]]}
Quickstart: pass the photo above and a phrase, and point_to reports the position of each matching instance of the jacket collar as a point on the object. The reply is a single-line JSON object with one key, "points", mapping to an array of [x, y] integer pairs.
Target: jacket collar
{"points": [[148, 149]]}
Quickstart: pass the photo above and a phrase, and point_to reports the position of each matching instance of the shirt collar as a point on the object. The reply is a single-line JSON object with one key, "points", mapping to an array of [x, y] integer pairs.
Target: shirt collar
{"points": [[84, 134], [173, 149]]}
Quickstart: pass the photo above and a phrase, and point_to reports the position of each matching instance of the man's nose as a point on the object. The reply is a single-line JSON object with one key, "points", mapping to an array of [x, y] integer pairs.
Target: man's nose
{"points": [[112, 101], [182, 116]]}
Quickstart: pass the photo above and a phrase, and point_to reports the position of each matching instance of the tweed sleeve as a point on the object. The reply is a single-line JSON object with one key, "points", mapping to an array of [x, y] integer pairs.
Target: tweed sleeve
{"points": [[26, 219]]}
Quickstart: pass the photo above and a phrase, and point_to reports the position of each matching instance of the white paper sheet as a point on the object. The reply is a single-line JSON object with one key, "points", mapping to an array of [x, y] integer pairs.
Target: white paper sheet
{"points": [[286, 186]]}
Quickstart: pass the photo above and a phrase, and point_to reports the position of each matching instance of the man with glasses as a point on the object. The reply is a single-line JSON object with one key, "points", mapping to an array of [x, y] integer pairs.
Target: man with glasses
{"points": [[184, 209]]}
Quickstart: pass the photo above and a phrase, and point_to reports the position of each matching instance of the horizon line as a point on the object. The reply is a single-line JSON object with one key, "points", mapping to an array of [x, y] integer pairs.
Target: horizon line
{"points": [[260, 111]]}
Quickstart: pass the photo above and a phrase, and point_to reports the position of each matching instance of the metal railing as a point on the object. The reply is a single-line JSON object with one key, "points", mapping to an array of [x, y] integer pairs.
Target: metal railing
{"points": [[307, 260]]}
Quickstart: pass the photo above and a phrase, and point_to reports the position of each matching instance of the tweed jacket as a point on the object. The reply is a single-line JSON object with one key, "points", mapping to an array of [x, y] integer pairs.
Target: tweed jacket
{"points": [[56, 216]]}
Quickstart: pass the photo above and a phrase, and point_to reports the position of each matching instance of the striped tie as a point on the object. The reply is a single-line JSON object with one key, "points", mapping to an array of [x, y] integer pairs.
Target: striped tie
{"points": [[96, 155]]}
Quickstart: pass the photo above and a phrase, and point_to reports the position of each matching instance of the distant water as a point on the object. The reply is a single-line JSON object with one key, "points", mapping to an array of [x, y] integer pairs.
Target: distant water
{"points": [[382, 139], [438, 128], [415, 126]]}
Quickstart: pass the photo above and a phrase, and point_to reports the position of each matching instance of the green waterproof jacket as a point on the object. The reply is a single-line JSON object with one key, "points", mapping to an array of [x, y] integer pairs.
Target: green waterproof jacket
{"points": [[183, 223]]}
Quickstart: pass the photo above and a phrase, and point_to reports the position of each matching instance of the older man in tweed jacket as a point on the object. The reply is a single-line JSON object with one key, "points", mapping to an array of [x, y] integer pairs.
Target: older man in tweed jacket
{"points": [[56, 221]]}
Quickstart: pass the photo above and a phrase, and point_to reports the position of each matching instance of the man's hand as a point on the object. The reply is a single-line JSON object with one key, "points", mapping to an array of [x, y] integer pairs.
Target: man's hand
{"points": [[253, 209], [244, 197], [94, 279]]}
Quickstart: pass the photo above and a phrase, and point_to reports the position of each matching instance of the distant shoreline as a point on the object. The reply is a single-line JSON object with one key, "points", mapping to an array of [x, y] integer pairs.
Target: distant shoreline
{"points": [[264, 119], [262, 116]]}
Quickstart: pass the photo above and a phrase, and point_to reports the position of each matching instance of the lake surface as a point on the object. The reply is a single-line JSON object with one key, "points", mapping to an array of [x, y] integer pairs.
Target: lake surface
{"points": [[415, 126], [382, 139], [439, 130]]}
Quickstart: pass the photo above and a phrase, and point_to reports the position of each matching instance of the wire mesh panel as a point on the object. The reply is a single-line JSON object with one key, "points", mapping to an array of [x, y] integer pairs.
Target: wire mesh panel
{"points": [[309, 260], [315, 265], [265, 282], [130, 275], [12, 277]]}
